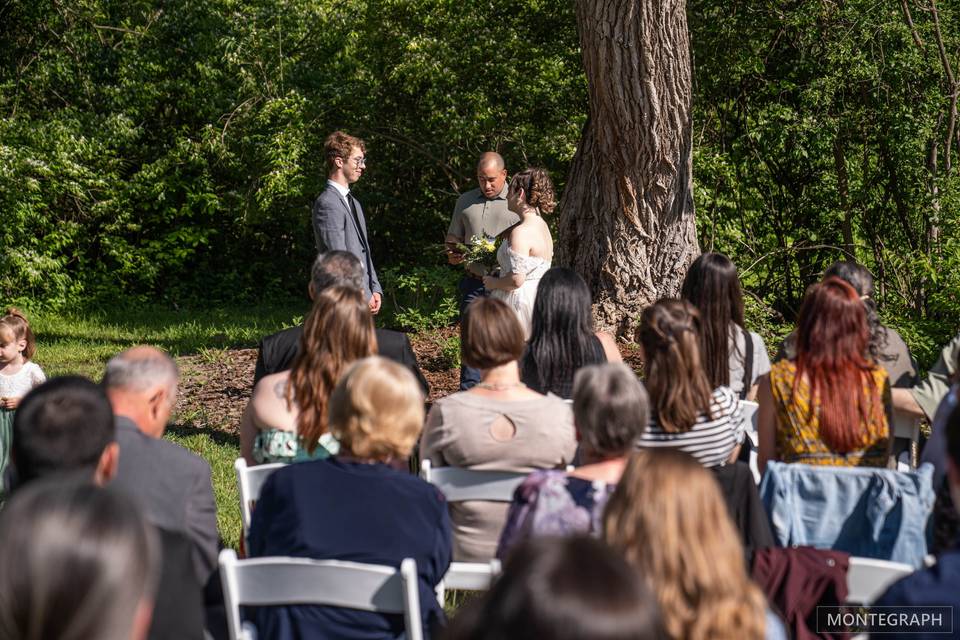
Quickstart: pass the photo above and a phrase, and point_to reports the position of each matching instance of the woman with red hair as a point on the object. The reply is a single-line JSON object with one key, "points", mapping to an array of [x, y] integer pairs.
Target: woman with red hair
{"points": [[830, 405]]}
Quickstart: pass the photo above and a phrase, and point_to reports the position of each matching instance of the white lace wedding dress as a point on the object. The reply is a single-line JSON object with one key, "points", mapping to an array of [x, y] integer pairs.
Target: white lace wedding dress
{"points": [[520, 299]]}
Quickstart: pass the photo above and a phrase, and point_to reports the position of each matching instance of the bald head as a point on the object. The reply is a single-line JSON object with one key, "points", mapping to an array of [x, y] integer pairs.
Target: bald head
{"points": [[142, 385], [491, 174], [491, 159]]}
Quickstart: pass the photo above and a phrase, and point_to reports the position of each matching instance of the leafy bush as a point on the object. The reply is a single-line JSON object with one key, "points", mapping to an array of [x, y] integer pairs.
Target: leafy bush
{"points": [[420, 298]]}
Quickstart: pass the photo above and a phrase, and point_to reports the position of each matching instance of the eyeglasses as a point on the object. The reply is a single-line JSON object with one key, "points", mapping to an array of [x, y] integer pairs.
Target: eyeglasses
{"points": [[359, 162]]}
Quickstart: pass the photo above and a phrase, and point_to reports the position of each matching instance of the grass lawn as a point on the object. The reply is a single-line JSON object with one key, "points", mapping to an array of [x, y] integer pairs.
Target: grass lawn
{"points": [[208, 344]]}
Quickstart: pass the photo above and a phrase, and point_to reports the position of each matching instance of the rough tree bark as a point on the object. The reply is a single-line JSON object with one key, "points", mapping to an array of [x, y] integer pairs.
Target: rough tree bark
{"points": [[626, 218]]}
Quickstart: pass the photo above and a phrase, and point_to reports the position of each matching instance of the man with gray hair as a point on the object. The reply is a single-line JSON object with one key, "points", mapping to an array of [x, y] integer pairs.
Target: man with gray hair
{"points": [[278, 351], [170, 484]]}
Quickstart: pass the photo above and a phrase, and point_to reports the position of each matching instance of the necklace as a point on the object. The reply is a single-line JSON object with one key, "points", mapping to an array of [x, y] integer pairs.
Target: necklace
{"points": [[499, 386]]}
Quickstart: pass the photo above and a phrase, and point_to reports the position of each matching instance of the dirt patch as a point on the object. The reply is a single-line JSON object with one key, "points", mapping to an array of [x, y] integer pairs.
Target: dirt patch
{"points": [[214, 388], [215, 385]]}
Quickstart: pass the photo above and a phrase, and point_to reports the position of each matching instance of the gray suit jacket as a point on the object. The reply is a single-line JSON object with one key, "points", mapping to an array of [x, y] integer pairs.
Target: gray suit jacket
{"points": [[335, 228], [173, 488]]}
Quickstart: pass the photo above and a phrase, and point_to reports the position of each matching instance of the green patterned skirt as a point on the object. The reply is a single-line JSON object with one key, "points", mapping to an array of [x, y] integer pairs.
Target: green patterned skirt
{"points": [[6, 440]]}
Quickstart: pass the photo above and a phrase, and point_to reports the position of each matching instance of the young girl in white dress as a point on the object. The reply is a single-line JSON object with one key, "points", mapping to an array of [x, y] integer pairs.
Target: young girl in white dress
{"points": [[18, 375], [525, 254]]}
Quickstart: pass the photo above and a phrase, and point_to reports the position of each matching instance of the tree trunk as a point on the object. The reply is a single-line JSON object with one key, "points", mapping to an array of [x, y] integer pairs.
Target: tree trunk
{"points": [[626, 218]]}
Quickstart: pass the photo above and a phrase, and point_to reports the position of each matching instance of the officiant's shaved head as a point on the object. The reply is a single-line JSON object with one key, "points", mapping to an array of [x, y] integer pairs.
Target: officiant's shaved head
{"points": [[491, 160], [491, 174]]}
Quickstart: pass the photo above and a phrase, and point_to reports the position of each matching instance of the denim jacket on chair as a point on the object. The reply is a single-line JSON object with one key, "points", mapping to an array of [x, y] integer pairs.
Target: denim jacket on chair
{"points": [[867, 512]]}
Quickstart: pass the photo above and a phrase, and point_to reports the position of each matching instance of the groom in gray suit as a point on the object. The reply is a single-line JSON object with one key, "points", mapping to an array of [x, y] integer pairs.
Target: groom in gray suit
{"points": [[338, 222]]}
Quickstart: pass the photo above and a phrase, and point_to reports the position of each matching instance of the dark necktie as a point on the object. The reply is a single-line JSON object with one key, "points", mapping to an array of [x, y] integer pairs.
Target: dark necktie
{"points": [[356, 220]]}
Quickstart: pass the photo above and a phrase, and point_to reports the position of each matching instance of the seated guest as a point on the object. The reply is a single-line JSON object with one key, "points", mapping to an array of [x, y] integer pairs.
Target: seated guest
{"points": [[610, 410], [688, 412], [357, 506], [65, 432], [64, 427], [668, 518], [171, 485], [499, 424], [732, 356], [76, 561], [938, 585], [563, 337], [830, 405], [333, 268], [562, 589], [885, 346], [286, 418]]}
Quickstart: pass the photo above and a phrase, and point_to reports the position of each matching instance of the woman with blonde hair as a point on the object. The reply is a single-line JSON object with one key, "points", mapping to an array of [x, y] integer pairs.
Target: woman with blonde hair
{"points": [[670, 520], [286, 418], [360, 505]]}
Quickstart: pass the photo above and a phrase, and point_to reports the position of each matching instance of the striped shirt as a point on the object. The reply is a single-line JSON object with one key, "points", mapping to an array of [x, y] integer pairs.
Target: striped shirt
{"points": [[712, 439]]}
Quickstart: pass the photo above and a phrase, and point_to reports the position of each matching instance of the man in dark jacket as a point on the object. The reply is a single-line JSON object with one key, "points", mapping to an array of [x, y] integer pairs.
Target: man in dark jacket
{"points": [[333, 268]]}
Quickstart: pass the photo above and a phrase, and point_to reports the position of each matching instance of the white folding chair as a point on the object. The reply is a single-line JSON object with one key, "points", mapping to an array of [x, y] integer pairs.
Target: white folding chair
{"points": [[906, 426], [750, 410], [336, 583], [460, 485], [250, 481], [868, 578], [468, 576]]}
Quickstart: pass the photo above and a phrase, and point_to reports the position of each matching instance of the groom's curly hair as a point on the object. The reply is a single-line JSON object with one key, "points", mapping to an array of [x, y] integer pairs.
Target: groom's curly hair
{"points": [[339, 144]]}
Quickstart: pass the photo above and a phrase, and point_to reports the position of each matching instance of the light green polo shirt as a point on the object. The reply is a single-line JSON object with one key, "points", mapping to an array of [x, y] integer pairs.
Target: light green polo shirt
{"points": [[475, 215]]}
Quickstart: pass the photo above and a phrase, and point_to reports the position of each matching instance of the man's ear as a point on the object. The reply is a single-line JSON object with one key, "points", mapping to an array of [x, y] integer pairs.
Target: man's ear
{"points": [[107, 465], [157, 401], [312, 291]]}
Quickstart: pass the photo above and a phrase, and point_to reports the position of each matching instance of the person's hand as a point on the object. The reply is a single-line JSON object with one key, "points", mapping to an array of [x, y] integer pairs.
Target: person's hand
{"points": [[375, 301], [10, 403], [454, 256], [489, 282]]}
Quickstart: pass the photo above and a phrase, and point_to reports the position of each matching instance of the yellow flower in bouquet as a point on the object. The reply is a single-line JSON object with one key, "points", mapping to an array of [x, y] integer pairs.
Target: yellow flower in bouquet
{"points": [[479, 254]]}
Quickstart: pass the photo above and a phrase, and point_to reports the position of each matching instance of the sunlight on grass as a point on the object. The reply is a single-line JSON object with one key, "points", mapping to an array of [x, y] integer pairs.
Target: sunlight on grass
{"points": [[74, 344]]}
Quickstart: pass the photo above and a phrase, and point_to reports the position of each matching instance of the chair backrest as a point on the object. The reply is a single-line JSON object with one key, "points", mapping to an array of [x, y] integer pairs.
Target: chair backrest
{"points": [[750, 412], [468, 576], [750, 408], [286, 581], [866, 512], [250, 481], [460, 485], [868, 578]]}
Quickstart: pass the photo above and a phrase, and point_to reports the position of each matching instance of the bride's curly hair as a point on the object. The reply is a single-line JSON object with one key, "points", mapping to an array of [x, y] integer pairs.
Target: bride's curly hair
{"points": [[338, 331], [669, 519], [537, 188]]}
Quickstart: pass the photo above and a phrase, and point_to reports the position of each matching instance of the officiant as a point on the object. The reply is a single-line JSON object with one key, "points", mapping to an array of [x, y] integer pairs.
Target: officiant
{"points": [[479, 213]]}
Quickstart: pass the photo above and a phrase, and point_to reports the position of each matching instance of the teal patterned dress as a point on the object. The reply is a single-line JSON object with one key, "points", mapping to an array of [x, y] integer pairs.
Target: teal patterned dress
{"points": [[277, 445]]}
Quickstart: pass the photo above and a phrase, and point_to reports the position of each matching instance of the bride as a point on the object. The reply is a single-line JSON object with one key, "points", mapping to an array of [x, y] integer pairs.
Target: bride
{"points": [[525, 254]]}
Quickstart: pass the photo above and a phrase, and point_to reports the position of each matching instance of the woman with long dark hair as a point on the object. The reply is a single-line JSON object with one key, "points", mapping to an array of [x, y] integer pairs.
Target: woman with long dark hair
{"points": [[732, 356], [689, 413], [830, 405], [563, 338]]}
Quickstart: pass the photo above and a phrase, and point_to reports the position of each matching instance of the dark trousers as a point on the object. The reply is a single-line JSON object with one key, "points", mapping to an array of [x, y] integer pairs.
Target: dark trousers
{"points": [[470, 289]]}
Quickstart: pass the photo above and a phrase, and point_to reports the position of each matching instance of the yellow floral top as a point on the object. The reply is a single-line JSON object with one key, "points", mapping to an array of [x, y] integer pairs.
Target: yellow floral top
{"points": [[798, 428]]}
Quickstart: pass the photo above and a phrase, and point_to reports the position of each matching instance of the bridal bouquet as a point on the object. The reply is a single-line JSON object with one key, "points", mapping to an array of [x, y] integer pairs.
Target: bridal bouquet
{"points": [[479, 254]]}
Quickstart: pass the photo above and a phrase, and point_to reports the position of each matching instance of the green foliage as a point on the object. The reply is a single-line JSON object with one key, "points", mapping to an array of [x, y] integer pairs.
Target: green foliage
{"points": [[421, 298], [173, 152], [816, 123]]}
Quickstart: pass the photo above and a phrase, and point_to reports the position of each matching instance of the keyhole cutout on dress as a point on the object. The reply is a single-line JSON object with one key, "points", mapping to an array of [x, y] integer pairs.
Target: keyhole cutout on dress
{"points": [[502, 429]]}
